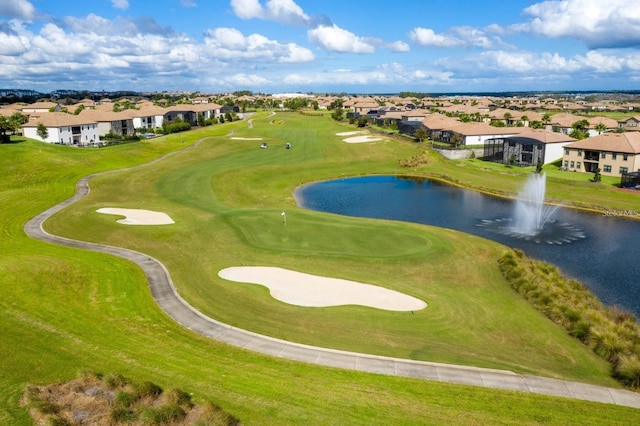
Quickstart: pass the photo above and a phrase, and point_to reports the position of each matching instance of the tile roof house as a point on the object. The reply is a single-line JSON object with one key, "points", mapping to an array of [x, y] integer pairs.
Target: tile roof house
{"points": [[631, 124], [563, 121], [62, 128], [117, 123], [613, 153], [43, 106], [473, 133], [527, 148], [600, 124]]}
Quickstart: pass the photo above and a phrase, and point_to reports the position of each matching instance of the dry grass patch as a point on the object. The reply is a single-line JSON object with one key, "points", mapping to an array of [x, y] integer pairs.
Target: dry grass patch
{"points": [[114, 400]]}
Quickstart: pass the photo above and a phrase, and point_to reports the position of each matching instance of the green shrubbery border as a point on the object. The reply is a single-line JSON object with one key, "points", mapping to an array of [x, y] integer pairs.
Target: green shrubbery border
{"points": [[611, 332]]}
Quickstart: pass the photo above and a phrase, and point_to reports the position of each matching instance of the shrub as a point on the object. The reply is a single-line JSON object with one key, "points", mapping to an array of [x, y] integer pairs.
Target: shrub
{"points": [[214, 415], [147, 389], [179, 397], [123, 415], [612, 333], [125, 399], [627, 370], [115, 381], [163, 414]]}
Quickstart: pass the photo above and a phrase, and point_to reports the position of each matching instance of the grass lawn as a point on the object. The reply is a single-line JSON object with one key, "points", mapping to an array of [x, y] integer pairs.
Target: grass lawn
{"points": [[65, 310]]}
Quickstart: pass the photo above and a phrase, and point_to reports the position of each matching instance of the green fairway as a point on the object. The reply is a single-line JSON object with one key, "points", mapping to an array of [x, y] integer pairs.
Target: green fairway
{"points": [[65, 310]]}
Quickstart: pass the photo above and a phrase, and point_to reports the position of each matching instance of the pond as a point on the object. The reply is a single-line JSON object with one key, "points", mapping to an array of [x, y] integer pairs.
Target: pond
{"points": [[605, 257]]}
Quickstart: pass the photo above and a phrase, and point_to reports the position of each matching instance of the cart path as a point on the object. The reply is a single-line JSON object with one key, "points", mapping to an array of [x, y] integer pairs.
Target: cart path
{"points": [[167, 297]]}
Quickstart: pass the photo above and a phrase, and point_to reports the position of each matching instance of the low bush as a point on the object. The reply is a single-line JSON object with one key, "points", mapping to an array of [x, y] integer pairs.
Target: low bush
{"points": [[421, 159], [164, 414]]}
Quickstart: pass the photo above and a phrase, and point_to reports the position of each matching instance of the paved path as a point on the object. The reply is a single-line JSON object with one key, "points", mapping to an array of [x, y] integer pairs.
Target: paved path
{"points": [[169, 300]]}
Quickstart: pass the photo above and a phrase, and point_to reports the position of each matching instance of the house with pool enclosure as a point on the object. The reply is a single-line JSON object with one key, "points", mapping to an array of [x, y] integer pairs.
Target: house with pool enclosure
{"points": [[527, 148]]}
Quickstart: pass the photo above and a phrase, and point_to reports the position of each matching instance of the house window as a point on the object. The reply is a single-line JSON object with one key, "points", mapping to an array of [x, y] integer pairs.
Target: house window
{"points": [[625, 157], [614, 155], [578, 165], [573, 165], [623, 170], [566, 164], [603, 154], [607, 169], [566, 151], [579, 153]]}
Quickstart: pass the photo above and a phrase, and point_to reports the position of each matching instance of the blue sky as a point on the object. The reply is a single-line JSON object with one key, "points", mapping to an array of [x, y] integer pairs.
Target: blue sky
{"points": [[273, 46]]}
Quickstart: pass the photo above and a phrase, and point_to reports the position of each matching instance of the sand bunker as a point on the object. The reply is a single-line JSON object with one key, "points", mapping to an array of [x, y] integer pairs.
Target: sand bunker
{"points": [[349, 133], [361, 139], [138, 217], [302, 289], [246, 139]]}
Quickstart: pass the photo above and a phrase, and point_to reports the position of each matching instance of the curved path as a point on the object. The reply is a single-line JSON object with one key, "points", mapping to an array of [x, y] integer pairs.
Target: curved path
{"points": [[166, 296]]}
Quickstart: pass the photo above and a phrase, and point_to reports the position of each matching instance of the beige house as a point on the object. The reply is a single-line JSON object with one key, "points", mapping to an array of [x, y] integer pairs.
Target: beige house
{"points": [[631, 124], [612, 153]]}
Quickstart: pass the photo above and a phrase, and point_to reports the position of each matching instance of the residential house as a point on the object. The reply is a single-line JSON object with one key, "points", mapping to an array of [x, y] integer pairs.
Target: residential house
{"points": [[438, 125], [109, 122], [600, 124], [148, 118], [527, 148], [39, 107], [200, 100], [631, 124], [563, 122], [473, 133], [208, 110], [62, 128], [613, 154]]}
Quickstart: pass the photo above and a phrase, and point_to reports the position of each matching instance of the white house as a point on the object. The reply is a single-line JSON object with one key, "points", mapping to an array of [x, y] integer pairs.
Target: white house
{"points": [[62, 128]]}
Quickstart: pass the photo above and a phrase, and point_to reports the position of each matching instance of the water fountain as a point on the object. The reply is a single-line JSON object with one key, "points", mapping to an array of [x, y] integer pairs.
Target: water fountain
{"points": [[530, 213], [532, 218]]}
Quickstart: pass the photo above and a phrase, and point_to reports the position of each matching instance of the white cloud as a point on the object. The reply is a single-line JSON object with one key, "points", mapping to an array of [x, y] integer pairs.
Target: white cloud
{"points": [[245, 80], [382, 75], [282, 11], [428, 37], [464, 36], [398, 46], [612, 23], [247, 9], [17, 9], [473, 37], [541, 66], [231, 44], [188, 3], [120, 4], [336, 39], [11, 45]]}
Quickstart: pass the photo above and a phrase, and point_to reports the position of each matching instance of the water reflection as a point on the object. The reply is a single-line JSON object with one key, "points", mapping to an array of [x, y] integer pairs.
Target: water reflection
{"points": [[607, 259]]}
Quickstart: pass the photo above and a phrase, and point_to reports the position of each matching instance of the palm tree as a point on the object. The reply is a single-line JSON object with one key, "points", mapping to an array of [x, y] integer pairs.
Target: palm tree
{"points": [[600, 127]]}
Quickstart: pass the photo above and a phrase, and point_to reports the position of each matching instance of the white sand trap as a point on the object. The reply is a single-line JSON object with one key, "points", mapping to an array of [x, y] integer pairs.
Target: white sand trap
{"points": [[138, 217], [349, 133], [246, 139], [362, 139], [301, 289]]}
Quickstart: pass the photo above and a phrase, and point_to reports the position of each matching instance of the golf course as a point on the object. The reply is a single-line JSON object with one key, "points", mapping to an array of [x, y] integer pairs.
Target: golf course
{"points": [[64, 310]]}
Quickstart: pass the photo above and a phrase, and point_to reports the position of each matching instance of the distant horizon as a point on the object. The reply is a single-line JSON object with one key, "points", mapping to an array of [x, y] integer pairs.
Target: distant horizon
{"points": [[389, 94], [275, 46]]}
